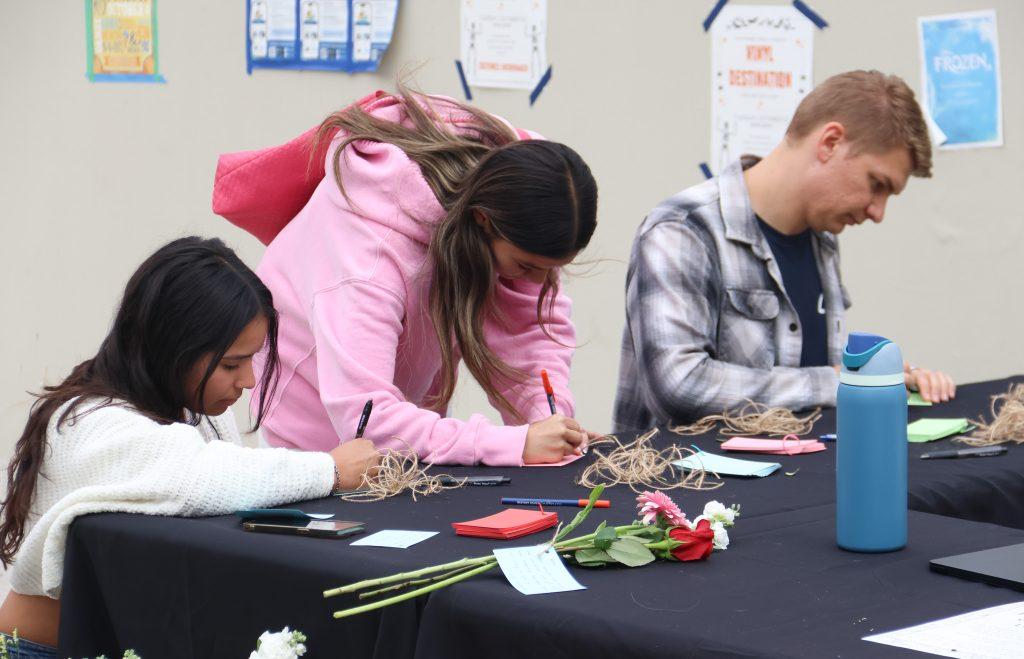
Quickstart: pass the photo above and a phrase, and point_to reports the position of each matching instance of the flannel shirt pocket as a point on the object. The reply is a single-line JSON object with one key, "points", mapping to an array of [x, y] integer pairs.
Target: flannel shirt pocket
{"points": [[746, 327]]}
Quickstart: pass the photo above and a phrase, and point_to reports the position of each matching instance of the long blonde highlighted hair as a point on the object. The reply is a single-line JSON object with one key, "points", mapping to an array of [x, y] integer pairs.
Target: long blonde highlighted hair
{"points": [[538, 195]]}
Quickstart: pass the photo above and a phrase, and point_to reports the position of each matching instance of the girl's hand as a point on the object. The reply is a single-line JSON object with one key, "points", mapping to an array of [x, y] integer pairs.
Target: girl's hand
{"points": [[356, 460], [552, 439]]}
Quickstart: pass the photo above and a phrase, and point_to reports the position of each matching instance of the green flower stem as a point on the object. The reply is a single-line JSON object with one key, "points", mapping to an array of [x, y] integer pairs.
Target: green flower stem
{"points": [[453, 572], [379, 604], [405, 576], [415, 582]]}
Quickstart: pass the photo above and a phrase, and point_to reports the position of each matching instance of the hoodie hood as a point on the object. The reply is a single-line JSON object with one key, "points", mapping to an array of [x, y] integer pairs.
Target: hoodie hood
{"points": [[261, 191]]}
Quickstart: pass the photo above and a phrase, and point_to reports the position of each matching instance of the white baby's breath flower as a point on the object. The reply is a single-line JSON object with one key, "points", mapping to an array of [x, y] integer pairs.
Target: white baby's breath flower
{"points": [[716, 512], [284, 644], [721, 540]]}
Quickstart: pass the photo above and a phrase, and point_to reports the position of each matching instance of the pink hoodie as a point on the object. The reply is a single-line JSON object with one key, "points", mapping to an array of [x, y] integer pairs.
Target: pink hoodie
{"points": [[350, 278]]}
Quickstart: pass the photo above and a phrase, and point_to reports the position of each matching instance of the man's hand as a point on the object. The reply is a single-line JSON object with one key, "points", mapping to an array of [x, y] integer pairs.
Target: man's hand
{"points": [[934, 386]]}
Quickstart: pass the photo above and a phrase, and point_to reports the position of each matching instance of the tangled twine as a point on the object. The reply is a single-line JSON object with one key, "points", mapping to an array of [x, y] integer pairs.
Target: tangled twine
{"points": [[398, 471], [1007, 420], [753, 419], [639, 464]]}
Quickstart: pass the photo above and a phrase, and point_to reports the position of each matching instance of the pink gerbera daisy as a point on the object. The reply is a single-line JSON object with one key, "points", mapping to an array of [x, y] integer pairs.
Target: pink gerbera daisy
{"points": [[652, 504]]}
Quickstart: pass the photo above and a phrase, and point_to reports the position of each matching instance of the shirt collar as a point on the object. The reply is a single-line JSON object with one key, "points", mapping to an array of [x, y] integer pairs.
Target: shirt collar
{"points": [[737, 215]]}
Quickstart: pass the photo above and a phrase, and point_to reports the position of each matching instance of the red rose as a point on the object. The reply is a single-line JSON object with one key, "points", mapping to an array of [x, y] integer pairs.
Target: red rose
{"points": [[697, 544]]}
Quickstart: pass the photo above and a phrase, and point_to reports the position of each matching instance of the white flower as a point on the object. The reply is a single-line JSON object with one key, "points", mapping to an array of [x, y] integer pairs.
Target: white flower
{"points": [[721, 540], [716, 512], [284, 644]]}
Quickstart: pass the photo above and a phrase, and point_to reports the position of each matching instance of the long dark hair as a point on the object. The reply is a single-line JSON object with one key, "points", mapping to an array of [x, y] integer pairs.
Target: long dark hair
{"points": [[538, 195], [190, 299]]}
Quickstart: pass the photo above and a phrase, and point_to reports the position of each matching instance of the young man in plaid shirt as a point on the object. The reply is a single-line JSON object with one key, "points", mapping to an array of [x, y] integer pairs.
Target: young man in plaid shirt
{"points": [[733, 290]]}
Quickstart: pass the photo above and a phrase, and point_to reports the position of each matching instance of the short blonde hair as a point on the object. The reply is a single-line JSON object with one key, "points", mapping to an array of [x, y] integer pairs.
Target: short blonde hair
{"points": [[878, 111]]}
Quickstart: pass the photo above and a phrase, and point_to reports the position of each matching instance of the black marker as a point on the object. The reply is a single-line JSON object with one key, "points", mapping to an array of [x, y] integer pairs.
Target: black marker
{"points": [[364, 418], [979, 452]]}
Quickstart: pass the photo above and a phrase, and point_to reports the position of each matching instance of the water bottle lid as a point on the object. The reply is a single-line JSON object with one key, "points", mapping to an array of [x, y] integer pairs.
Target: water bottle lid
{"points": [[871, 360], [859, 342], [860, 347]]}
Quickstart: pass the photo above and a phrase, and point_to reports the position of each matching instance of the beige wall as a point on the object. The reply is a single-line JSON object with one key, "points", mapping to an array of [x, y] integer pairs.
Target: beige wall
{"points": [[96, 176]]}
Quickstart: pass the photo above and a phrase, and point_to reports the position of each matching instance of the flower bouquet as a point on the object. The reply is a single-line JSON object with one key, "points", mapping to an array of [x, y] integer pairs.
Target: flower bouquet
{"points": [[662, 532]]}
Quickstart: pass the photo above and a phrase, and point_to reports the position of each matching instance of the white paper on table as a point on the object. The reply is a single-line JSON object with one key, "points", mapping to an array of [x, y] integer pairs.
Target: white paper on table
{"points": [[986, 634], [394, 538], [504, 42], [536, 570]]}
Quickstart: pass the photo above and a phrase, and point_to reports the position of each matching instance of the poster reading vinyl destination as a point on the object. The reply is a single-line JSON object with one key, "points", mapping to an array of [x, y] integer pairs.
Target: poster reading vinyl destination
{"points": [[121, 39], [503, 42], [761, 67]]}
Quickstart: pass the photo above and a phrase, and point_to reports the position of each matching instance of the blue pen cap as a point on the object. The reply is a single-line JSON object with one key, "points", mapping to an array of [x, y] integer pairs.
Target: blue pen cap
{"points": [[870, 356]]}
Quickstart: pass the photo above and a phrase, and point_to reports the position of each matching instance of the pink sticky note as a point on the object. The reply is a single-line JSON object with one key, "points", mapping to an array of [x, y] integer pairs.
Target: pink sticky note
{"points": [[561, 463], [785, 446]]}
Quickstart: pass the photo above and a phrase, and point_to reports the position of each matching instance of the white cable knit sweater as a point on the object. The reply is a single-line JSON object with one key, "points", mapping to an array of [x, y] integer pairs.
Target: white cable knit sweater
{"points": [[113, 459]]}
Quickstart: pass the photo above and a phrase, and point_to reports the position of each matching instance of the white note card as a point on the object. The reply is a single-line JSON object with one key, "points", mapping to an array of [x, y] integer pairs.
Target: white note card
{"points": [[536, 570], [990, 633], [393, 538]]}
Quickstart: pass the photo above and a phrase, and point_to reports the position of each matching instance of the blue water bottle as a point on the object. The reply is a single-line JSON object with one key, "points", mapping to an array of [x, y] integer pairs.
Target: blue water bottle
{"points": [[871, 446]]}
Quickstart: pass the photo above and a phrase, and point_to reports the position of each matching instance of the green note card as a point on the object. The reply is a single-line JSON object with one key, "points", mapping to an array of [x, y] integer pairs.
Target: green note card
{"points": [[927, 430], [915, 400]]}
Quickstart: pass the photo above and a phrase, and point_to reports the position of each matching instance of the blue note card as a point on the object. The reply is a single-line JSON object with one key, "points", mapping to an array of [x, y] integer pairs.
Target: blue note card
{"points": [[726, 466]]}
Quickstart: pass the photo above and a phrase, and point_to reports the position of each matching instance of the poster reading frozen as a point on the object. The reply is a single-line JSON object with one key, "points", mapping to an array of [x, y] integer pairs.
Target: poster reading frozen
{"points": [[960, 78], [503, 42], [761, 65]]}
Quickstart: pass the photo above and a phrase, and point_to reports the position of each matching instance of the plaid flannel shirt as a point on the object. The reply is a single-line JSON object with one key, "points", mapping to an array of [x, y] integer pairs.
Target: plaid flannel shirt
{"points": [[708, 320]]}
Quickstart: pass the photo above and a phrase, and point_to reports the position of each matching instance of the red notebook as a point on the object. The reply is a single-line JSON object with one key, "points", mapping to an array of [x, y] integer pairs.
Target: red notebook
{"points": [[508, 524]]}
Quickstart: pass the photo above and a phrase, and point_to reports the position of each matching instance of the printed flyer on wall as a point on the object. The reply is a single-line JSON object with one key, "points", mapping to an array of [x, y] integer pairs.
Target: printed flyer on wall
{"points": [[761, 68], [504, 42], [330, 35], [121, 41], [960, 78]]}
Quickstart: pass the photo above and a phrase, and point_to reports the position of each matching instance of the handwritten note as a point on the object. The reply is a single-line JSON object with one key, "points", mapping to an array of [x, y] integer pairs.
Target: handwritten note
{"points": [[535, 570]]}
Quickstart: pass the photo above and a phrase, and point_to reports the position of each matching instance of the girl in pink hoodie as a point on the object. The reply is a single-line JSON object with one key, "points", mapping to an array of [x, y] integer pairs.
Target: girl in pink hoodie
{"points": [[436, 236]]}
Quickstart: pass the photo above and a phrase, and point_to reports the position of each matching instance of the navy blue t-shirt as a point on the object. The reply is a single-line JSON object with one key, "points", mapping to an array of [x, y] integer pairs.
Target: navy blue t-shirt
{"points": [[800, 276]]}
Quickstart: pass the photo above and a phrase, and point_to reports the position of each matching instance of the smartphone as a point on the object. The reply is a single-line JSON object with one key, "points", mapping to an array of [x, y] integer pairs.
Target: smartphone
{"points": [[313, 528]]}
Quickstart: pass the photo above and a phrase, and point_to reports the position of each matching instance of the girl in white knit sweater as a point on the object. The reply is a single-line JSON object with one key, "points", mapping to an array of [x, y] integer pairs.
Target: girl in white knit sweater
{"points": [[145, 426]]}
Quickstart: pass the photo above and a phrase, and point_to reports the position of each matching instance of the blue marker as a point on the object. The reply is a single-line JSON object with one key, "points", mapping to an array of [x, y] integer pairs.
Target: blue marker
{"points": [[576, 503]]}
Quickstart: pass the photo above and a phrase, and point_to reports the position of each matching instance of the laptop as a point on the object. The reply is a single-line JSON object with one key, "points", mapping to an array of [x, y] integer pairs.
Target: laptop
{"points": [[1002, 566]]}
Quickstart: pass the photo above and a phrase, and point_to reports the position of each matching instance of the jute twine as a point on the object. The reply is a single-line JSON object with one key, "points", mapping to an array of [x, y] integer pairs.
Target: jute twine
{"points": [[753, 419], [398, 471], [641, 466], [1007, 420]]}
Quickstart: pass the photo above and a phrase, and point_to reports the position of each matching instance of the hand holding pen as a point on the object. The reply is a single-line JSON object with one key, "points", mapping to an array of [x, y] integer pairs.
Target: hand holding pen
{"points": [[556, 437]]}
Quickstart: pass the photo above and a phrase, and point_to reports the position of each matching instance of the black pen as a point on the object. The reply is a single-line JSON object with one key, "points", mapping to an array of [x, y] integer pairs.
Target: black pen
{"points": [[364, 418], [978, 452]]}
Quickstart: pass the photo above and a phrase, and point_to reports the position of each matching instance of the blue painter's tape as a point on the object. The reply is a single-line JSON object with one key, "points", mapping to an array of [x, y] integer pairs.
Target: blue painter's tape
{"points": [[541, 84], [714, 14], [462, 78], [705, 170], [126, 77], [811, 15]]}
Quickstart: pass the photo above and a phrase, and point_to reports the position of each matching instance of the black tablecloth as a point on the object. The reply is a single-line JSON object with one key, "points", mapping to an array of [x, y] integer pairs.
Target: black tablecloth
{"points": [[172, 587]]}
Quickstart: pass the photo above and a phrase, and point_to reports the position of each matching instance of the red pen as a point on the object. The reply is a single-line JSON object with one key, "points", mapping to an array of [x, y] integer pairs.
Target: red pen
{"points": [[582, 450], [549, 391]]}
